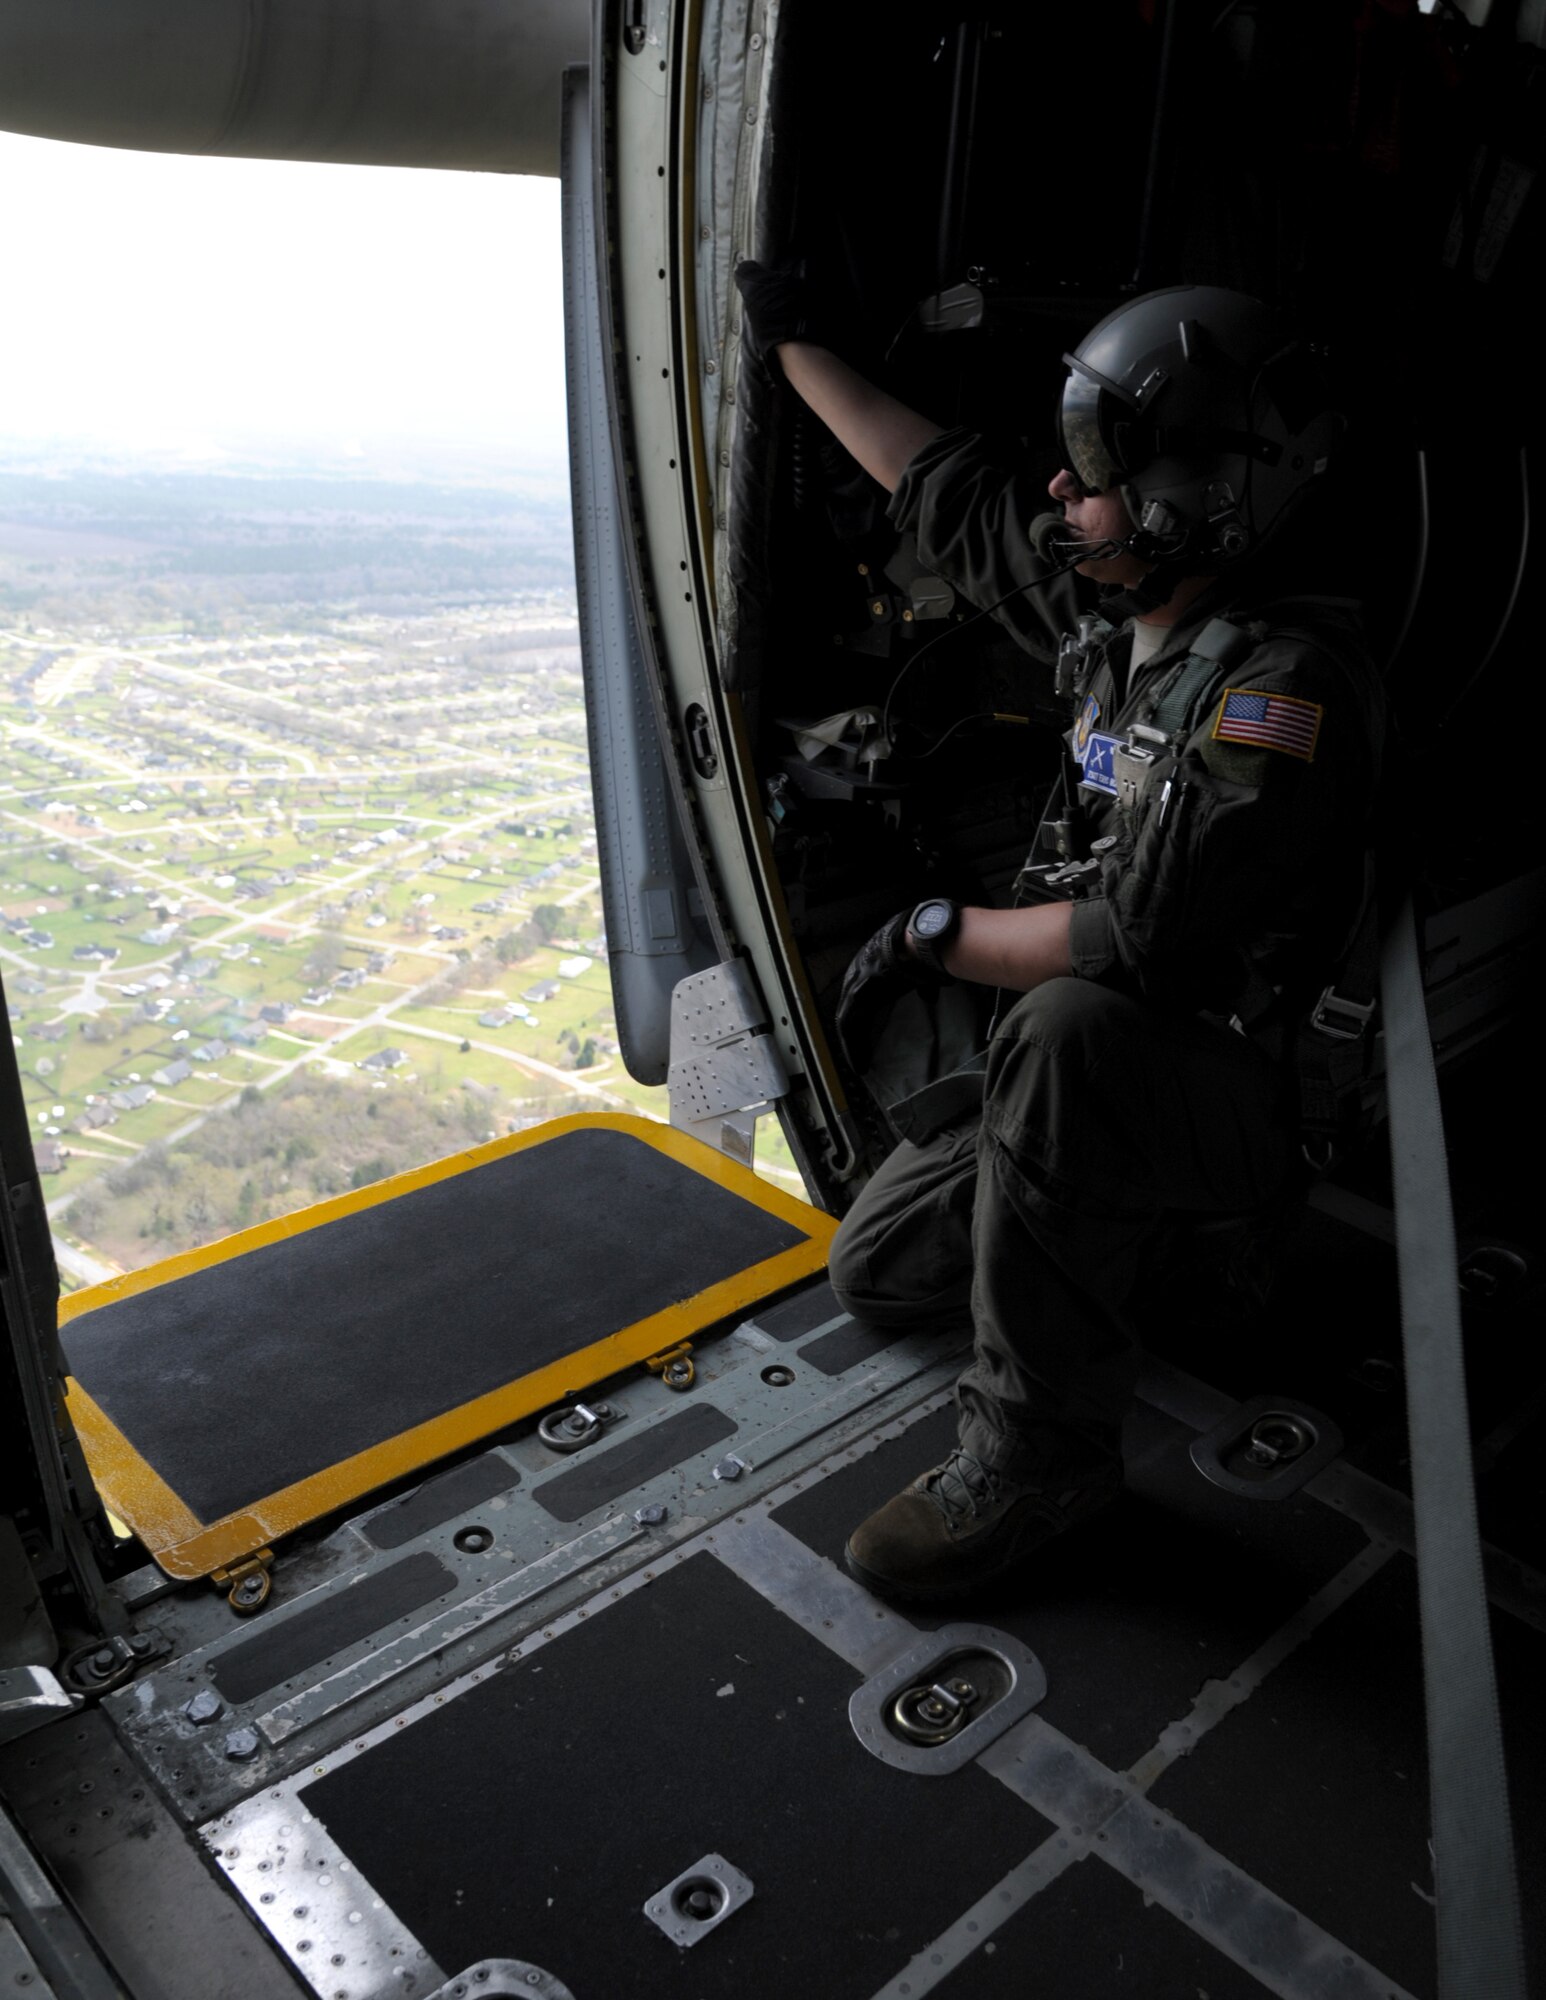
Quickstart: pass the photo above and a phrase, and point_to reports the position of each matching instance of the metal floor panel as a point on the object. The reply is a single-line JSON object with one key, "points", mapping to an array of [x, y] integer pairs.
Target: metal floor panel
{"points": [[650, 1725], [229, 1396], [1220, 1790]]}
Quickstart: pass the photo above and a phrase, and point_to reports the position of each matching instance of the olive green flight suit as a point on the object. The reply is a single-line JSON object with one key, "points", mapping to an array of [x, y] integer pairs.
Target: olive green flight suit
{"points": [[1153, 1083]]}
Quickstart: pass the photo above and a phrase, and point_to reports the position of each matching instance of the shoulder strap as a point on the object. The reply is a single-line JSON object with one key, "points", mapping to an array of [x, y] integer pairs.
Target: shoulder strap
{"points": [[1219, 646]]}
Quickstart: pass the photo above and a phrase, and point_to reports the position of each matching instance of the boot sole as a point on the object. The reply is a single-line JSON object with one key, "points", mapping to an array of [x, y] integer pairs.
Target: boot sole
{"points": [[949, 1593]]}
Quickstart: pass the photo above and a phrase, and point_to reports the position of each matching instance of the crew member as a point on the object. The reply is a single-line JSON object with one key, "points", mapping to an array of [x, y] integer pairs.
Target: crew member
{"points": [[1188, 903]]}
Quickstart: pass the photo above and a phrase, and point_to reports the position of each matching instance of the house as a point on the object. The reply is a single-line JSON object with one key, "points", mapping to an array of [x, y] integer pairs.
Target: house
{"points": [[383, 1059], [50, 1156], [174, 1073], [159, 934], [211, 1051], [496, 1017], [545, 990], [276, 1010], [133, 1098], [93, 1116], [51, 1031], [571, 968]]}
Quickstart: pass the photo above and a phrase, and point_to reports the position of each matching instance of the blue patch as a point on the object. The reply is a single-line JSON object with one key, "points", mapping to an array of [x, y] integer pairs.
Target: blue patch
{"points": [[1096, 758], [1089, 715]]}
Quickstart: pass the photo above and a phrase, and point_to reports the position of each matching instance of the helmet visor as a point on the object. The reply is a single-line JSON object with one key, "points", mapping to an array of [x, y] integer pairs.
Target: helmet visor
{"points": [[1085, 451]]}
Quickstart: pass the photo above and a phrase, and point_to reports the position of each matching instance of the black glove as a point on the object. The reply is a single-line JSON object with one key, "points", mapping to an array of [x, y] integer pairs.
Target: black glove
{"points": [[880, 973], [778, 305]]}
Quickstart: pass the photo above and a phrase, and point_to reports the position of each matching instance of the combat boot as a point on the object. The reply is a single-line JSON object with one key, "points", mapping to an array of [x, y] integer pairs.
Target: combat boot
{"points": [[964, 1525]]}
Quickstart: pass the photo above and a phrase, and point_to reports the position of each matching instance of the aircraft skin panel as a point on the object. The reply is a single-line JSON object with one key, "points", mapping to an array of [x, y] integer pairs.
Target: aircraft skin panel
{"points": [[365, 82], [274, 1288]]}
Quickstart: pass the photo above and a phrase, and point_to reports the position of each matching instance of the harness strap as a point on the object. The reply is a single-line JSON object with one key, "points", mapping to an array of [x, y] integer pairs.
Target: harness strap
{"points": [[1481, 1951], [1190, 688]]}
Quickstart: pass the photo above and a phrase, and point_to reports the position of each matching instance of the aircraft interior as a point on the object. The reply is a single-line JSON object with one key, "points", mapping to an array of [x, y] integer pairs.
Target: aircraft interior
{"points": [[475, 1620]]}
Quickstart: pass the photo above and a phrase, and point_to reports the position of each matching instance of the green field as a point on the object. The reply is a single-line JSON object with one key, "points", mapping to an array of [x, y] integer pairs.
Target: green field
{"points": [[197, 747]]}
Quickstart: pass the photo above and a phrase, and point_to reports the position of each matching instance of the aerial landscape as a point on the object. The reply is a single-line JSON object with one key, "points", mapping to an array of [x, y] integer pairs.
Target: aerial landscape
{"points": [[298, 879]]}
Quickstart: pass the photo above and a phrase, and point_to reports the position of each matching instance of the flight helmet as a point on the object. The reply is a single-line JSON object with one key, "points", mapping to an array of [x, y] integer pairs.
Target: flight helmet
{"points": [[1208, 416]]}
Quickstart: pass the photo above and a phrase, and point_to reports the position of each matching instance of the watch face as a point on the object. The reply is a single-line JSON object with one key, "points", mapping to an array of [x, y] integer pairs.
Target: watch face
{"points": [[931, 920]]}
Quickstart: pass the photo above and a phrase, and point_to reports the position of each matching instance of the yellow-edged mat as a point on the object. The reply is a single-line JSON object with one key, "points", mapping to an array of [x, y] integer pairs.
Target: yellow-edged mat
{"points": [[230, 1395]]}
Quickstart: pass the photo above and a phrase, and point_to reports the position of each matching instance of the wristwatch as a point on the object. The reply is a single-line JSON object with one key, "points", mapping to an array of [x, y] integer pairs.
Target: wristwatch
{"points": [[931, 928]]}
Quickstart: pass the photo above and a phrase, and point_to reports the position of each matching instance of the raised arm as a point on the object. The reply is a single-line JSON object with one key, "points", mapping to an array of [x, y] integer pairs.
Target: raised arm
{"points": [[784, 321], [881, 433]]}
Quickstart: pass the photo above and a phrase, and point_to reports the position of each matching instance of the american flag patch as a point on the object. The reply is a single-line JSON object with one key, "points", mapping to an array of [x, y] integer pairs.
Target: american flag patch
{"points": [[1272, 721]]}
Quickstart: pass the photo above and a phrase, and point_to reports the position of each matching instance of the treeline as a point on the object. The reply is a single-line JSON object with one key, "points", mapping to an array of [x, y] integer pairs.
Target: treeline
{"points": [[273, 1152]]}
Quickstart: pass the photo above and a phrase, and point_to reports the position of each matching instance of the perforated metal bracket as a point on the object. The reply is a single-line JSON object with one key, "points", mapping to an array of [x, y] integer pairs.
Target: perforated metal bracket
{"points": [[725, 1066], [943, 1701], [502, 1979], [1267, 1448]]}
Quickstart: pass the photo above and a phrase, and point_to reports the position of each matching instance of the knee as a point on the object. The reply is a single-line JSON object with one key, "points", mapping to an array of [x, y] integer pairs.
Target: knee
{"points": [[874, 1283], [847, 1272], [903, 1251]]}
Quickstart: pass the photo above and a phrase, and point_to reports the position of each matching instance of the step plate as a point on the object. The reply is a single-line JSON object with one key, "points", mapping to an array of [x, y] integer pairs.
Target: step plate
{"points": [[230, 1395]]}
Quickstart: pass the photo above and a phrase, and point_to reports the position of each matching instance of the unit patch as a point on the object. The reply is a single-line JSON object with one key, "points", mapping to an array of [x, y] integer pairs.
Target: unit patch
{"points": [[1097, 758], [1089, 715], [1269, 721]]}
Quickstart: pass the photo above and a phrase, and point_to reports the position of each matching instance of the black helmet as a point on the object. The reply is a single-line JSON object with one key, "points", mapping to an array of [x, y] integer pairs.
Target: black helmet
{"points": [[1205, 412]]}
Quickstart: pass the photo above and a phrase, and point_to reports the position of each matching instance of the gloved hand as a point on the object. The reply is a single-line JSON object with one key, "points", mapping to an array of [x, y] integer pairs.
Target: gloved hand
{"points": [[779, 304], [880, 972]]}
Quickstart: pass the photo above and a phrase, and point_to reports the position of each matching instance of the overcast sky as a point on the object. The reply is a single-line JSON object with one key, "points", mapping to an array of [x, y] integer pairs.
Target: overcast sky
{"points": [[156, 301]]}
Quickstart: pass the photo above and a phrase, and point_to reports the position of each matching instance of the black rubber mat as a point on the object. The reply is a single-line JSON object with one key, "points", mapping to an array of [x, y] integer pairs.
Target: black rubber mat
{"points": [[238, 1380], [1183, 1577], [1334, 1815], [830, 1353], [601, 1473], [1105, 1937], [791, 1318], [285, 1646], [535, 1815], [441, 1499]]}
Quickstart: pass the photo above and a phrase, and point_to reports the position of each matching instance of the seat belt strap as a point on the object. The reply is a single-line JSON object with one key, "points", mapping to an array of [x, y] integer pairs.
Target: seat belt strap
{"points": [[1480, 1939]]}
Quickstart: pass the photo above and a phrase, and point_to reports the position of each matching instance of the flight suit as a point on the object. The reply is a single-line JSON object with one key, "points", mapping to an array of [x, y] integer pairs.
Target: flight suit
{"points": [[1215, 859]]}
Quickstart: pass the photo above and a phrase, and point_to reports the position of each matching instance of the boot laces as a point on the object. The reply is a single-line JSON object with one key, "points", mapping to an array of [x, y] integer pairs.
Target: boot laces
{"points": [[965, 1486]]}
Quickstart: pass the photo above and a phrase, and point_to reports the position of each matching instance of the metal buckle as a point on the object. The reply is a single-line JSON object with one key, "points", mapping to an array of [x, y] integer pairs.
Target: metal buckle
{"points": [[1331, 1002]]}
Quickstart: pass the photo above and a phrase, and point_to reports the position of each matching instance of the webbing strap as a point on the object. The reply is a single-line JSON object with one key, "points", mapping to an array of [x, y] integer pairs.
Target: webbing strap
{"points": [[1481, 1950], [1187, 693]]}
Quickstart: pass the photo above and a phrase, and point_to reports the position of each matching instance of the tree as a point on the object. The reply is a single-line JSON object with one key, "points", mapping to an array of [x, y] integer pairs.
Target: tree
{"points": [[327, 955], [549, 920]]}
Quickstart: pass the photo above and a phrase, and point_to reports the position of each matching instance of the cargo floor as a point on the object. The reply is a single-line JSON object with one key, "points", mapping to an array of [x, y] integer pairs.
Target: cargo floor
{"points": [[485, 1726]]}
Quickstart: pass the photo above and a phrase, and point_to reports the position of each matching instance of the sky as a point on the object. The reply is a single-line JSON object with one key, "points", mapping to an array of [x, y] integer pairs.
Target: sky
{"points": [[188, 307]]}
